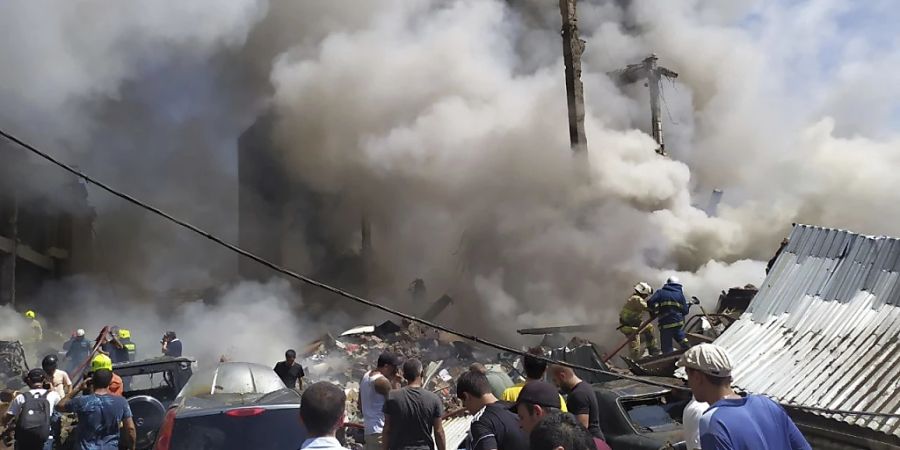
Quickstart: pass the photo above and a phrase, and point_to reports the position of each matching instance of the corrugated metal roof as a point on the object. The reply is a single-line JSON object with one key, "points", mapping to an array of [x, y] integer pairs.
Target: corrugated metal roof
{"points": [[456, 430], [823, 329]]}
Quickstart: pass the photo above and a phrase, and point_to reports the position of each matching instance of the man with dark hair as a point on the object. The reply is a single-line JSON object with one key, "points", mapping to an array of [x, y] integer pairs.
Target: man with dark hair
{"points": [[494, 427], [582, 399], [322, 413], [534, 371], [561, 431], [411, 414], [290, 372], [499, 379], [733, 422], [99, 414], [33, 411], [171, 345], [373, 391]]}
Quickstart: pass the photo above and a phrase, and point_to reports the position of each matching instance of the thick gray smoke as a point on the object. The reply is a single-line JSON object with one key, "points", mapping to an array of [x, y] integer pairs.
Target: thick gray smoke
{"points": [[444, 122]]}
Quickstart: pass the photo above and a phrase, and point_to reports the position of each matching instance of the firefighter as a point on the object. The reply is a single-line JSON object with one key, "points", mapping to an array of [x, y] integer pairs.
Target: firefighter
{"points": [[670, 307], [632, 316], [37, 331], [128, 351]]}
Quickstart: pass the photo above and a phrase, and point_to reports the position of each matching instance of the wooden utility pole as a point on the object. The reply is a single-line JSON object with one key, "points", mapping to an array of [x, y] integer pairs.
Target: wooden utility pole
{"points": [[573, 47], [649, 69]]}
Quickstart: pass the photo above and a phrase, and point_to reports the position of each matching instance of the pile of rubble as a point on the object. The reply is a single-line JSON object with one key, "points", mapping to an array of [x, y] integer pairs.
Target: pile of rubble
{"points": [[346, 358]]}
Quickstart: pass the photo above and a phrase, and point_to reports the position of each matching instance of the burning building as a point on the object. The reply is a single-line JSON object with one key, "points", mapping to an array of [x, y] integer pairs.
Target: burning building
{"points": [[46, 227], [278, 218]]}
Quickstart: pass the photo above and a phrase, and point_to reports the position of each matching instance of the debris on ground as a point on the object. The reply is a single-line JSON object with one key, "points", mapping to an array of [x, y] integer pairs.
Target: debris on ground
{"points": [[346, 358]]}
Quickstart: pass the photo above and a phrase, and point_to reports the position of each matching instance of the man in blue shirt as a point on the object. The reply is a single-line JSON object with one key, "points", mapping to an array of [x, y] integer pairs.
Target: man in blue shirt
{"points": [[99, 415], [733, 422], [670, 307], [171, 345]]}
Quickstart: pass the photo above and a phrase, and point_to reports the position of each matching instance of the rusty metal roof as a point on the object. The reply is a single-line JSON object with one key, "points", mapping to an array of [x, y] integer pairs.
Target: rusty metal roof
{"points": [[823, 329]]}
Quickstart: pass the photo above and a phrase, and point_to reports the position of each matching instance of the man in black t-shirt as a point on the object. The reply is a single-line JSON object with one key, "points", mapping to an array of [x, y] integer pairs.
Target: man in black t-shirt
{"points": [[412, 414], [289, 371], [494, 426], [582, 401]]}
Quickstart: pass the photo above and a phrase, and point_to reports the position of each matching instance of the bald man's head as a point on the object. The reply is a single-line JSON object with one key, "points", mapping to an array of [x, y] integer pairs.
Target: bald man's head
{"points": [[563, 377]]}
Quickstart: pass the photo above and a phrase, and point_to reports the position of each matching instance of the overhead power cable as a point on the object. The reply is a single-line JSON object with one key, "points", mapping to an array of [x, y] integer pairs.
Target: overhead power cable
{"points": [[308, 280], [369, 303]]}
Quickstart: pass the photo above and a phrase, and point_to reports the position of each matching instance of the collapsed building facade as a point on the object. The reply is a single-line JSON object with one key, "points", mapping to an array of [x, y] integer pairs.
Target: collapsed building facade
{"points": [[822, 334], [46, 227]]}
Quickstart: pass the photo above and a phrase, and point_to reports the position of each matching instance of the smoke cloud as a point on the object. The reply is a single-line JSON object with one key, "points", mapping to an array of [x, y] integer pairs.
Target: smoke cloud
{"points": [[444, 123]]}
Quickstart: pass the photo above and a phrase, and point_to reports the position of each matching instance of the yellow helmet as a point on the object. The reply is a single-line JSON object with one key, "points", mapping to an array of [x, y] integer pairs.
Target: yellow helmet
{"points": [[101, 361], [30, 314], [124, 334]]}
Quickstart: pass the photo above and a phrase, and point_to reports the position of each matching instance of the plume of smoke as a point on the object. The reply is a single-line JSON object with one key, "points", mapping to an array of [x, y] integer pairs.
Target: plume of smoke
{"points": [[444, 122], [13, 326], [247, 321]]}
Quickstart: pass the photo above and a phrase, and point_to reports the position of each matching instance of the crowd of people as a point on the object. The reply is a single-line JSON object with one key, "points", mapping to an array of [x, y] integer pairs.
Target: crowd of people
{"points": [[551, 409], [97, 400], [399, 414]]}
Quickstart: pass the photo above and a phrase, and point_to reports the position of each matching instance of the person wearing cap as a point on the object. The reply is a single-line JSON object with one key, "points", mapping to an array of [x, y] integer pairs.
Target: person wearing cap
{"points": [[732, 422], [103, 362], [36, 379], [101, 415], [373, 391], [494, 426], [670, 307], [539, 400], [78, 351]]}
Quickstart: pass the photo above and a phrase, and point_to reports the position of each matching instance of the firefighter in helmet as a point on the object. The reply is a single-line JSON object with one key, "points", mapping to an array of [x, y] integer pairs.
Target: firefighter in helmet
{"points": [[633, 314]]}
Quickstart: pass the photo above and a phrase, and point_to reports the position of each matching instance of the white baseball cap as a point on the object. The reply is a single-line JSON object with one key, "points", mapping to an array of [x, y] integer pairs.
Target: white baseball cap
{"points": [[79, 332], [707, 358]]}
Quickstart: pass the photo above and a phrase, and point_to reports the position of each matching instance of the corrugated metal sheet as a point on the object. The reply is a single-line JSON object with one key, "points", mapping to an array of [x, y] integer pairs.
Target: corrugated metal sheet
{"points": [[456, 430], [823, 329]]}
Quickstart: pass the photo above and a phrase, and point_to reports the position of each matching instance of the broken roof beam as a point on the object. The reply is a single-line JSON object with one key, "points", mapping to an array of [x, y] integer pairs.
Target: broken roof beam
{"points": [[562, 329], [437, 307]]}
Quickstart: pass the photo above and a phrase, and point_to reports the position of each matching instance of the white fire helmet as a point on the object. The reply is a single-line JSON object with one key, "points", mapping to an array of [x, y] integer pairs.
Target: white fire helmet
{"points": [[673, 280], [79, 332], [643, 288]]}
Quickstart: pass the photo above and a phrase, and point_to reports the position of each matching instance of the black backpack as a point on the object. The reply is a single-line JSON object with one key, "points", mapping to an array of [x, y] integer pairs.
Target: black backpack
{"points": [[33, 424]]}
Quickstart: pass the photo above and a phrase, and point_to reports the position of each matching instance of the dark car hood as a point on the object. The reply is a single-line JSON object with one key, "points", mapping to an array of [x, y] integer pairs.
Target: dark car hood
{"points": [[209, 404]]}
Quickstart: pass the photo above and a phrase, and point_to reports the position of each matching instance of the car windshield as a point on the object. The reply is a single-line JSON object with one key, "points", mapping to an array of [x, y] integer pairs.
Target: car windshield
{"points": [[147, 381], [654, 414], [232, 378], [273, 429]]}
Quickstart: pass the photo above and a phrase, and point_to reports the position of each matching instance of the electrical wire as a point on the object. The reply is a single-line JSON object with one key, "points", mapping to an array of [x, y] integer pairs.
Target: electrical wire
{"points": [[369, 303], [311, 281]]}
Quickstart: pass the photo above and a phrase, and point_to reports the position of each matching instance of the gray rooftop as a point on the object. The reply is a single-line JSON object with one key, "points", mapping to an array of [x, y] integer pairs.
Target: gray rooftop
{"points": [[823, 329]]}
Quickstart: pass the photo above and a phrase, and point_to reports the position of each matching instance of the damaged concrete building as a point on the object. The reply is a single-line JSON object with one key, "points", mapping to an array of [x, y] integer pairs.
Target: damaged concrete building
{"points": [[822, 334], [279, 219], [46, 227]]}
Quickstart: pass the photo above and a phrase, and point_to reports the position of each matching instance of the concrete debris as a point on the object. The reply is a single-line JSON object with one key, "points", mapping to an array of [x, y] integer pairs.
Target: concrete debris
{"points": [[345, 359]]}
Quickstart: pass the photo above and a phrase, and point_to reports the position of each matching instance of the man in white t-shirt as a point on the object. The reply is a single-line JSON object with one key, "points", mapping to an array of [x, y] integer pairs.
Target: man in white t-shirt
{"points": [[59, 379], [691, 423], [373, 391], [37, 383]]}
